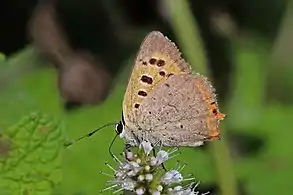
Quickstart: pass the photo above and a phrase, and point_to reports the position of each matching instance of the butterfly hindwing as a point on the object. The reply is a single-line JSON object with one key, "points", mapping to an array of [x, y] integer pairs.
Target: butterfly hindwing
{"points": [[181, 111]]}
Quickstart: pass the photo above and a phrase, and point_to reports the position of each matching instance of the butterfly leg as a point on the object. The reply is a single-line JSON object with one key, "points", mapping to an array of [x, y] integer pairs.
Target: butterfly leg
{"points": [[127, 146], [110, 151], [163, 166], [154, 152]]}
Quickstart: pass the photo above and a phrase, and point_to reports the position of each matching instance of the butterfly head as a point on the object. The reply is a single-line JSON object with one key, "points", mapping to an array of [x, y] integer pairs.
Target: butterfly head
{"points": [[119, 128], [125, 131]]}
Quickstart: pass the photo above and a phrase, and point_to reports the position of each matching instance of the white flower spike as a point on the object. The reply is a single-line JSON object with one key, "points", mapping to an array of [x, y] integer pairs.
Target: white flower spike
{"points": [[147, 146], [142, 173]]}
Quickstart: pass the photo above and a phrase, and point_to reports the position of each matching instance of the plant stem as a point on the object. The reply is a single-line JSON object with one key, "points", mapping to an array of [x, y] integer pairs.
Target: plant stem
{"points": [[186, 30]]}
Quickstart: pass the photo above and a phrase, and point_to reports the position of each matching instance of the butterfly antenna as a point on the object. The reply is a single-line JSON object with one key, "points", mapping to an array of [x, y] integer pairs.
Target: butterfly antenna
{"points": [[88, 135]]}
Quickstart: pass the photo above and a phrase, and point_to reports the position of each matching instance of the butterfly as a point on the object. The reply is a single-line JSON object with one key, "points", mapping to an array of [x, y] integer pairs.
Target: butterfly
{"points": [[165, 102]]}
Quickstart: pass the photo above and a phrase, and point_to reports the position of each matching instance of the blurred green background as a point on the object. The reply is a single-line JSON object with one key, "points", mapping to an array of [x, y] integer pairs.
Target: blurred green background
{"points": [[71, 60]]}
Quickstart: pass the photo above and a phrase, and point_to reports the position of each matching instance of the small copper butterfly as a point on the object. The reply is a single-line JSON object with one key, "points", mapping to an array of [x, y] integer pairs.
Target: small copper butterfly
{"points": [[165, 102]]}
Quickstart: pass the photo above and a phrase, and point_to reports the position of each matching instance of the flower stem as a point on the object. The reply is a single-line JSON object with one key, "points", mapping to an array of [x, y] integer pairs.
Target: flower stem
{"points": [[186, 30]]}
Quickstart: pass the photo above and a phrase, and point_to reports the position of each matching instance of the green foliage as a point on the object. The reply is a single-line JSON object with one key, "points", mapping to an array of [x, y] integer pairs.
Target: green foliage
{"points": [[30, 156], [267, 170], [2, 57]]}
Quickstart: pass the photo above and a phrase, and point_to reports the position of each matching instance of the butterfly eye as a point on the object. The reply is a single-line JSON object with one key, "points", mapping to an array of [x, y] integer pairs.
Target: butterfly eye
{"points": [[119, 128]]}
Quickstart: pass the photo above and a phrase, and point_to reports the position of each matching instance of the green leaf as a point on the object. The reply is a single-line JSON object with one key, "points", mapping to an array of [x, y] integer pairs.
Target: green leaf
{"points": [[2, 57], [30, 156]]}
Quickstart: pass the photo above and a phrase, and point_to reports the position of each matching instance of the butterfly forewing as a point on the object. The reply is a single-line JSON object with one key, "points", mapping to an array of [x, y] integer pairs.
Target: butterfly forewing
{"points": [[157, 59]]}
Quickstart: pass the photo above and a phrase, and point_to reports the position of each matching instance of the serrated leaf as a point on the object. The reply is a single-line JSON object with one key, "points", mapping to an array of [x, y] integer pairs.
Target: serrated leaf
{"points": [[30, 156]]}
